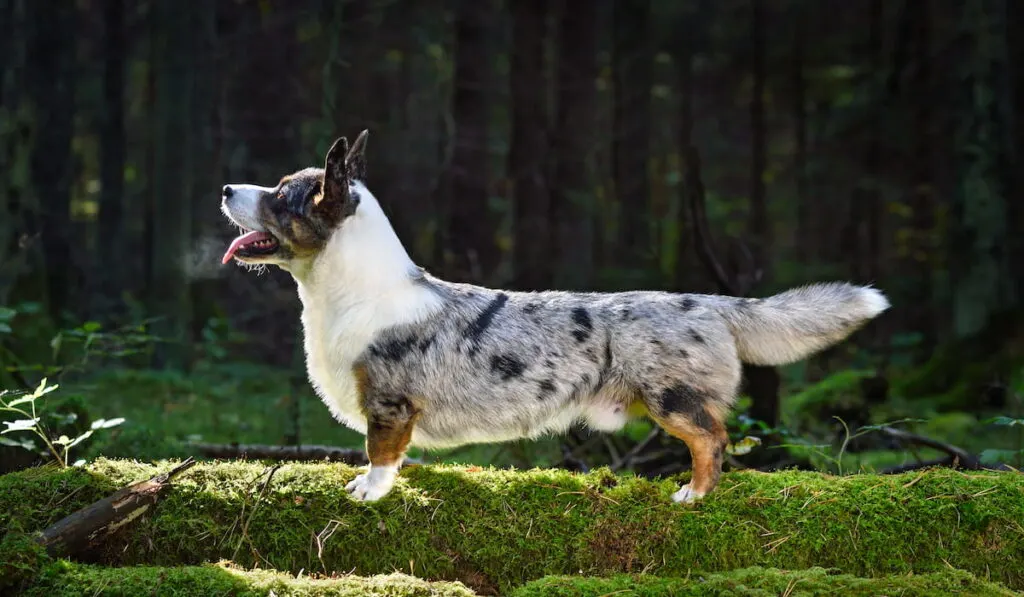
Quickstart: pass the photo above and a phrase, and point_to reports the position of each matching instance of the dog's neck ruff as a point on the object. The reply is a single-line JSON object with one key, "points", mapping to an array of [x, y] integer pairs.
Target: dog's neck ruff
{"points": [[365, 267]]}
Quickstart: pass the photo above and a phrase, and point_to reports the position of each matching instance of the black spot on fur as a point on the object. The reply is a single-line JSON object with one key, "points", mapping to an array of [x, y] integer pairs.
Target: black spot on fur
{"points": [[549, 364], [684, 353], [394, 350], [687, 304], [591, 355], [584, 325], [626, 314], [688, 401], [507, 366], [696, 337], [530, 308], [657, 343], [427, 343], [476, 330], [545, 389]]}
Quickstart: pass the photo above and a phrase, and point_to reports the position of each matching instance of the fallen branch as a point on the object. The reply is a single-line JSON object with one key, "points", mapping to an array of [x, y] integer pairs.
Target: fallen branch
{"points": [[957, 456], [300, 453], [90, 525]]}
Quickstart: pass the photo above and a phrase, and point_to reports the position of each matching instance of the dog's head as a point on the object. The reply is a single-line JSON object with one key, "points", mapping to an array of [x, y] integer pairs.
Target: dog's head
{"points": [[294, 220]]}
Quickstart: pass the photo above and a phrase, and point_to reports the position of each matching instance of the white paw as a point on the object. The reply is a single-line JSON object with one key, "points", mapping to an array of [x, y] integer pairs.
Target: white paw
{"points": [[686, 495], [374, 484]]}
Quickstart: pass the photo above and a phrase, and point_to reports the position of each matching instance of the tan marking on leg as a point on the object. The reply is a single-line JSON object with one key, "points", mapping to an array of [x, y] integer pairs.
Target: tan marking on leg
{"points": [[707, 448], [387, 441]]}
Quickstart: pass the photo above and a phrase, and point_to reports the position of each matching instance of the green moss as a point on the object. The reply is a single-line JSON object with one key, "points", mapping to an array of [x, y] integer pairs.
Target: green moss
{"points": [[766, 582], [20, 557], [67, 579], [495, 530]]}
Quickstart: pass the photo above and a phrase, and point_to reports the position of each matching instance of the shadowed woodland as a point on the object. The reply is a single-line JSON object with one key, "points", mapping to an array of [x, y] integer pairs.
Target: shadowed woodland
{"points": [[738, 147]]}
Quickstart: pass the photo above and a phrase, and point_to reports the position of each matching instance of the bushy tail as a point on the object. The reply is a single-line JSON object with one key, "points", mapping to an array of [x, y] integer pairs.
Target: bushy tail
{"points": [[797, 323]]}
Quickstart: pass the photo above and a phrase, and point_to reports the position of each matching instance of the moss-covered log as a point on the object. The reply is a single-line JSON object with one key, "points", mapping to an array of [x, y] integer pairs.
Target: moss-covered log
{"points": [[66, 579], [496, 530]]}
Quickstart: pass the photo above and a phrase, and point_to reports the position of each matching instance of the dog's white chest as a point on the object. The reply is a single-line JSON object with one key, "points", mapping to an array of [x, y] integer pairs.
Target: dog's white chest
{"points": [[329, 361]]}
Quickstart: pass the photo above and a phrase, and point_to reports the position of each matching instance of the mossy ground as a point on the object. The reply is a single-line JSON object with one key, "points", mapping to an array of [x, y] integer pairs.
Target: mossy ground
{"points": [[496, 530], [765, 582]]}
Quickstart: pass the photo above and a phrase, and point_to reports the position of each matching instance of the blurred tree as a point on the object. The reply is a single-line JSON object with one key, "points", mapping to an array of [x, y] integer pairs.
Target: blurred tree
{"points": [[632, 79], [528, 152], [470, 229], [804, 223], [574, 145], [920, 251], [175, 61], [111, 239], [760, 225], [982, 275], [51, 89]]}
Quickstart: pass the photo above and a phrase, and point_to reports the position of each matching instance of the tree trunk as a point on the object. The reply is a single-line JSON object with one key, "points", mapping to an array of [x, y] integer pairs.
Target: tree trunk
{"points": [[805, 250], [982, 271], [528, 153], [632, 78], [111, 241], [574, 145], [175, 67], [919, 255], [872, 197], [51, 85], [470, 227], [760, 225], [1015, 22]]}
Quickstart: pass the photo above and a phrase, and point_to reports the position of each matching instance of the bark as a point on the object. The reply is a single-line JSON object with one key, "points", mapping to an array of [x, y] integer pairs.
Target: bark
{"points": [[574, 146], [528, 152], [470, 227], [632, 78]]}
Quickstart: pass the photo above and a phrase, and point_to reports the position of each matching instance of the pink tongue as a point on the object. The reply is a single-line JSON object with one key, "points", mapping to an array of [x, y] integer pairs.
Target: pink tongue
{"points": [[245, 239]]}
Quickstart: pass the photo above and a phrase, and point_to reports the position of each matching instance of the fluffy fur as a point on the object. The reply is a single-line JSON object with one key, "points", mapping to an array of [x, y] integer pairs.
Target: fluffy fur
{"points": [[409, 359]]}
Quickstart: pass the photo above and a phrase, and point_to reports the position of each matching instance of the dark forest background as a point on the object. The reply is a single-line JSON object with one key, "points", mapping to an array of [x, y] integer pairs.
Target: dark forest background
{"points": [[737, 146]]}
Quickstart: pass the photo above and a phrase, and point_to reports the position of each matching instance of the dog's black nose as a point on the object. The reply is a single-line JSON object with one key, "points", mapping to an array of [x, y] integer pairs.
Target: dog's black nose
{"points": [[228, 191]]}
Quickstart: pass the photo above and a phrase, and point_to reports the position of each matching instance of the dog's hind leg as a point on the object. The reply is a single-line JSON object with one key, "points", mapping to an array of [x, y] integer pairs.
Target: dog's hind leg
{"points": [[694, 417], [388, 431]]}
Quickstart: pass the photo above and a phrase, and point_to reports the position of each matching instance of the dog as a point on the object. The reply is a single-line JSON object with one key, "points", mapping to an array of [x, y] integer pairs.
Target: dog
{"points": [[409, 359]]}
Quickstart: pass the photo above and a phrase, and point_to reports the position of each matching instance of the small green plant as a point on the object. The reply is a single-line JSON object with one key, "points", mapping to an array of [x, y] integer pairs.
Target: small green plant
{"points": [[26, 406]]}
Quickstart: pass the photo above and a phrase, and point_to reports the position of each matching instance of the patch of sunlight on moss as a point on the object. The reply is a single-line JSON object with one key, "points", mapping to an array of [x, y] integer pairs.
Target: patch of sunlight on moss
{"points": [[67, 579]]}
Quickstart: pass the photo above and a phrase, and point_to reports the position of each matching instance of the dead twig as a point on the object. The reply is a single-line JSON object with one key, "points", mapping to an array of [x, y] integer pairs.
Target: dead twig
{"points": [[79, 531]]}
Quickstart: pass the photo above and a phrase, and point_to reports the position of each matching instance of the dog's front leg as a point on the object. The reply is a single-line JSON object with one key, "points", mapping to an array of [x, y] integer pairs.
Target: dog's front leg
{"points": [[388, 431]]}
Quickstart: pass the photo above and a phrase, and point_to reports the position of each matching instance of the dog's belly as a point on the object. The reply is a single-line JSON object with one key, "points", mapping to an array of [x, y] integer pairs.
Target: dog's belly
{"points": [[443, 430]]}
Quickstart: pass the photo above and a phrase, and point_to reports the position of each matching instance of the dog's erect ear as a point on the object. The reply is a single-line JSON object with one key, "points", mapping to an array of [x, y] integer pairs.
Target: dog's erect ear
{"points": [[336, 175], [355, 159]]}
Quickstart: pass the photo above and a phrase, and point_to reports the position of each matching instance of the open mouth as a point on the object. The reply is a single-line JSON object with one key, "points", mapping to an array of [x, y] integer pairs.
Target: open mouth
{"points": [[251, 244]]}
